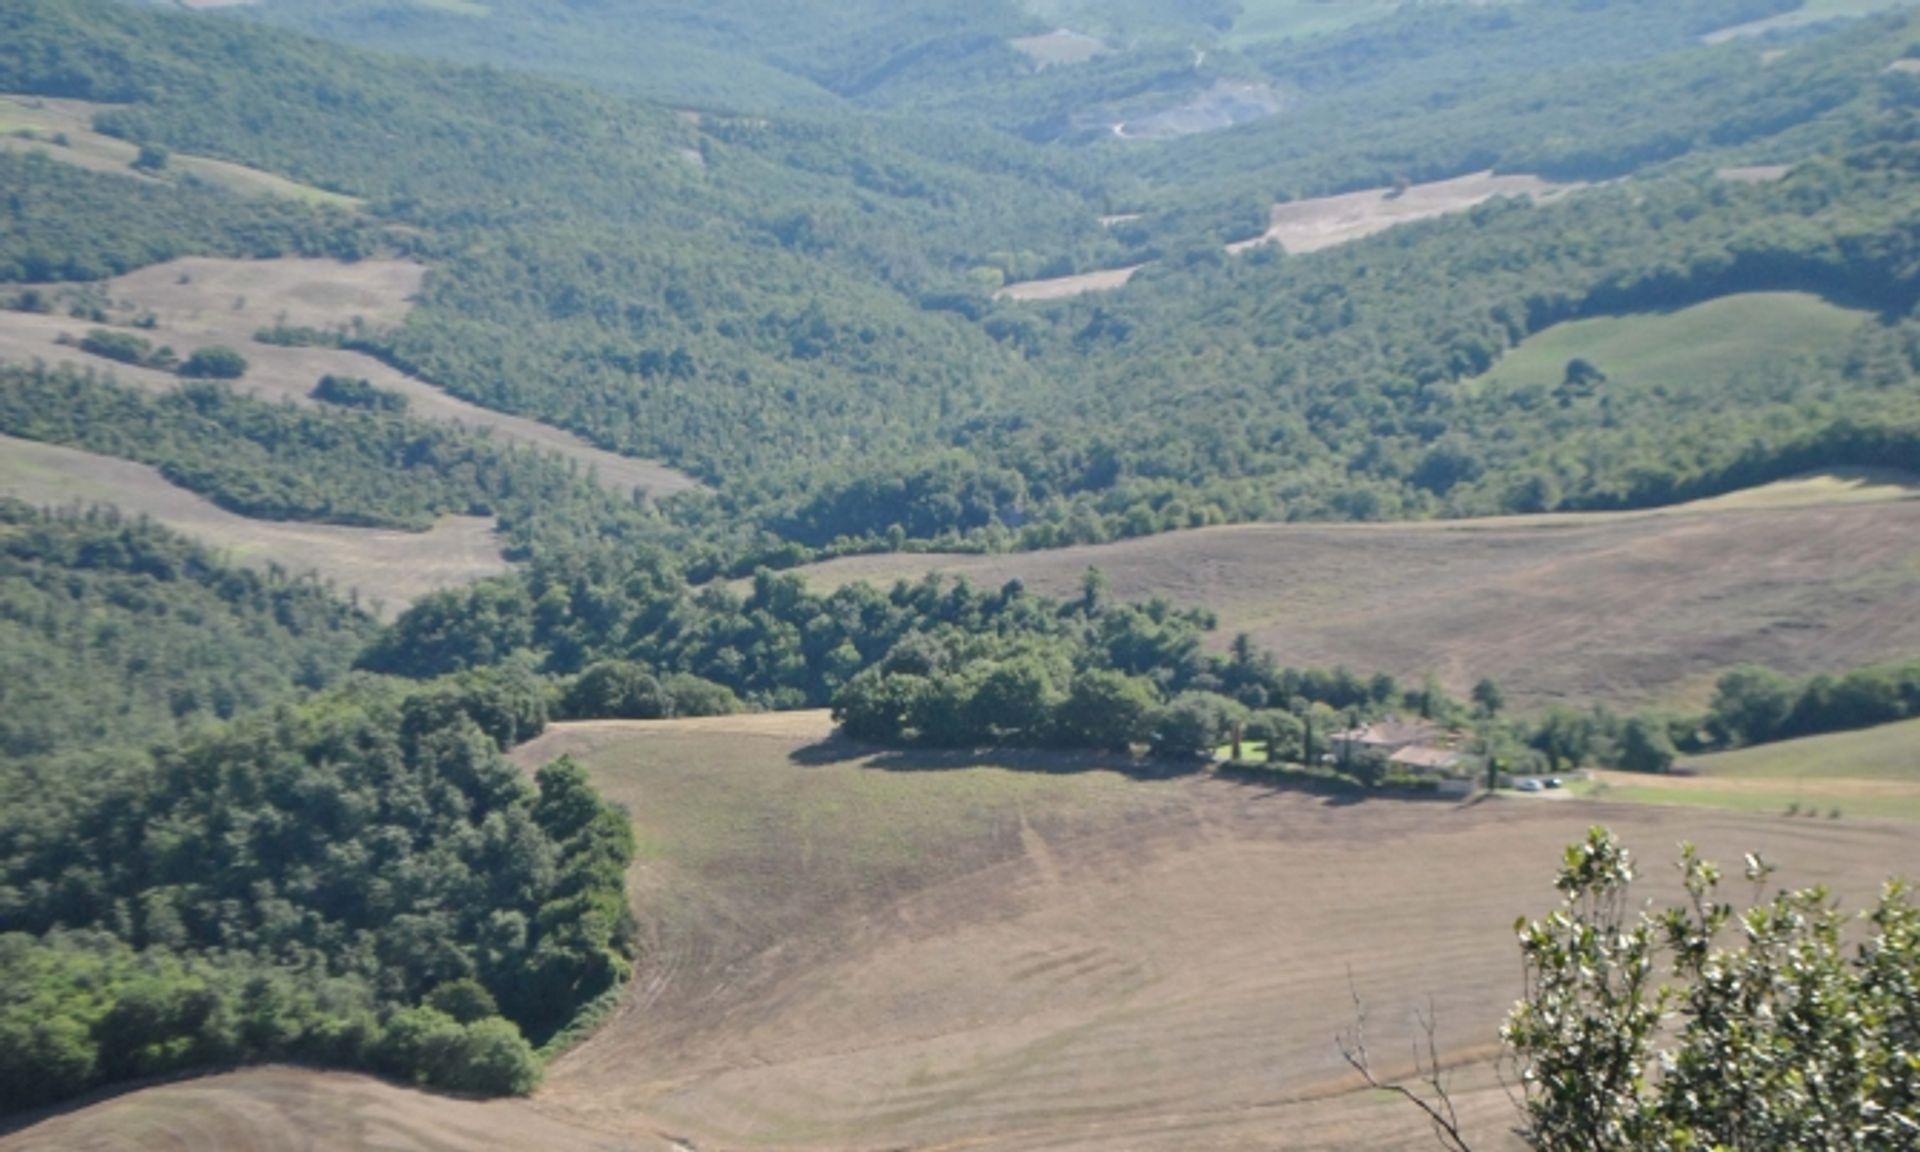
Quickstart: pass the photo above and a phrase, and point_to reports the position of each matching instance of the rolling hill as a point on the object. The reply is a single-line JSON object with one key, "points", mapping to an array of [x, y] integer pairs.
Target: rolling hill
{"points": [[1818, 575], [857, 950]]}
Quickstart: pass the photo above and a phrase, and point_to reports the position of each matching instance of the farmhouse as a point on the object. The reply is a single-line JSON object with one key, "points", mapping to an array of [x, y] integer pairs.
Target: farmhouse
{"points": [[1385, 738], [1416, 748], [1420, 760]]}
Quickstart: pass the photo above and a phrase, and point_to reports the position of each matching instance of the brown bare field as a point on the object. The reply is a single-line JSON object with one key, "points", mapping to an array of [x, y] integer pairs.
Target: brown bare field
{"points": [[389, 569], [1811, 576], [848, 950], [1018, 951], [1329, 221], [1069, 286], [198, 302], [30, 123], [297, 1110]]}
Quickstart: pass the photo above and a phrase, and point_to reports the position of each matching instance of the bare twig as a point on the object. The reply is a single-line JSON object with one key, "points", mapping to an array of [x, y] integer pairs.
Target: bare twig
{"points": [[1439, 1110]]}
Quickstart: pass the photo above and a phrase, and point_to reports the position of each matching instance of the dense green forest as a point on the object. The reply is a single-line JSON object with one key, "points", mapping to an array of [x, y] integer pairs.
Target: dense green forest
{"points": [[203, 862], [361, 880], [797, 309], [117, 633], [367, 467]]}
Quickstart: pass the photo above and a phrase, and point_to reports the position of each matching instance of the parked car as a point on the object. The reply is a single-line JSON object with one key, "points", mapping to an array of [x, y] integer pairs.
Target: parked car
{"points": [[1529, 786]]}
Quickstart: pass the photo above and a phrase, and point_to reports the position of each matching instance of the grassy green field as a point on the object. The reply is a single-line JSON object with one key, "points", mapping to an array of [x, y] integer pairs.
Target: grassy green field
{"points": [[1701, 346], [1874, 772], [1890, 752]]}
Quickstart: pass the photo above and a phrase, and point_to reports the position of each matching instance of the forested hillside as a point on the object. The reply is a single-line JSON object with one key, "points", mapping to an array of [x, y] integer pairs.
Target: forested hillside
{"points": [[796, 310], [766, 244], [114, 633]]}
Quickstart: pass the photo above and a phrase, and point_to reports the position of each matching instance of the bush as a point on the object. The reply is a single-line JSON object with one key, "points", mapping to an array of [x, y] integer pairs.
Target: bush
{"points": [[1193, 725], [491, 1058], [121, 346], [1105, 709], [466, 1000], [617, 690], [216, 362], [689, 695], [353, 392]]}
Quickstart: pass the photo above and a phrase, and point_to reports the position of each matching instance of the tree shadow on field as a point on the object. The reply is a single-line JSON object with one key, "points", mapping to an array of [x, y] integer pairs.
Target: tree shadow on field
{"points": [[838, 750], [1335, 792]]}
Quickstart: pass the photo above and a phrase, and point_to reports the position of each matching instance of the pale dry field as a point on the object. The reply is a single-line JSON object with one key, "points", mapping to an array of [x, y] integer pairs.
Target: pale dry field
{"points": [[198, 302], [1755, 173], [1817, 575], [1808, 13], [297, 1110], [1060, 46], [44, 118], [388, 569], [1322, 223], [1330, 221], [1068, 286], [848, 950]]}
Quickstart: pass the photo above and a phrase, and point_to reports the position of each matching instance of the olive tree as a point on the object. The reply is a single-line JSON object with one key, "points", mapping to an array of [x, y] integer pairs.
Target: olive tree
{"points": [[1700, 1026]]}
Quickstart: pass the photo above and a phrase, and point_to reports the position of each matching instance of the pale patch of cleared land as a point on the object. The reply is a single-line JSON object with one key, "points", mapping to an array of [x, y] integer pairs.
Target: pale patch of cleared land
{"points": [[1330, 221], [1817, 575], [1060, 46], [1695, 347], [1324, 222], [1811, 12], [457, 7], [1873, 772], [197, 302], [30, 123], [848, 950], [387, 568], [1906, 65], [1225, 104], [1065, 287], [1755, 173]]}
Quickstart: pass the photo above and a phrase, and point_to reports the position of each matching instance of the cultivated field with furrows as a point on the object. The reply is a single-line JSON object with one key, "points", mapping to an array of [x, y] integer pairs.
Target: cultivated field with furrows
{"points": [[386, 568], [1326, 222], [1817, 575], [848, 950], [197, 302]]}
